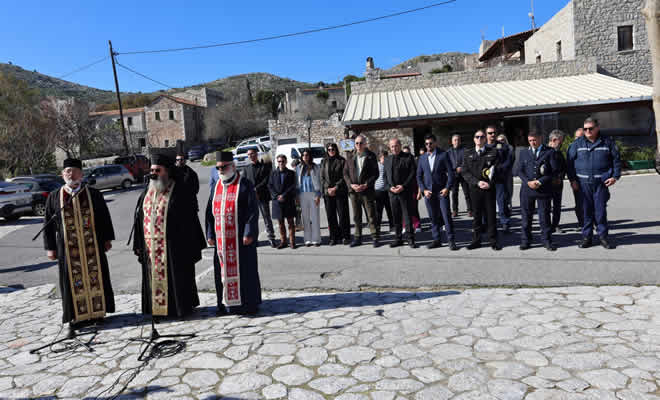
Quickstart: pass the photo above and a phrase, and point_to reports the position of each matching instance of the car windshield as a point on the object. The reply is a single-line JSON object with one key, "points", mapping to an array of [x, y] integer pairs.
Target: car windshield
{"points": [[87, 171], [243, 150], [317, 152]]}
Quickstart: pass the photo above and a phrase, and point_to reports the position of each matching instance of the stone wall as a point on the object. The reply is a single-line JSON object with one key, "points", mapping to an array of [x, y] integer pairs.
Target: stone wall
{"points": [[506, 73], [165, 129], [596, 23], [560, 28]]}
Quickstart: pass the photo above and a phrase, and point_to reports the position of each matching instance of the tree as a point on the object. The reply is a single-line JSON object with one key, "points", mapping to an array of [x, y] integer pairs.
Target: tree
{"points": [[651, 13], [270, 100], [74, 129], [233, 120], [27, 139], [445, 68]]}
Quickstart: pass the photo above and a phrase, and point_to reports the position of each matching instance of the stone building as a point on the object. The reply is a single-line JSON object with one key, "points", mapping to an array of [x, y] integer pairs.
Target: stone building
{"points": [[612, 31], [134, 123], [599, 69], [320, 102], [170, 118]]}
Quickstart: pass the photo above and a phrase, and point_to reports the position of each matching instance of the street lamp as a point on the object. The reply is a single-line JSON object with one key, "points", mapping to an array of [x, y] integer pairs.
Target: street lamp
{"points": [[308, 124]]}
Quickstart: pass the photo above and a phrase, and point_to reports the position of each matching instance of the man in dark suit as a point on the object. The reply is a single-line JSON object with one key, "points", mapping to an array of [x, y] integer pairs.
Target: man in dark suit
{"points": [[478, 169], [258, 173], [536, 170], [435, 177], [456, 152], [360, 174], [282, 187], [554, 141], [399, 180]]}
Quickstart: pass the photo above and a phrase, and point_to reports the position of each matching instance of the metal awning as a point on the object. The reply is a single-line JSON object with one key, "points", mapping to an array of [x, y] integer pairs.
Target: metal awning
{"points": [[491, 98]]}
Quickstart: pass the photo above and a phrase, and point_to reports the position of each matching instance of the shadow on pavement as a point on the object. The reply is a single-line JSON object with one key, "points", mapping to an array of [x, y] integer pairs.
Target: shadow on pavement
{"points": [[136, 393], [30, 268]]}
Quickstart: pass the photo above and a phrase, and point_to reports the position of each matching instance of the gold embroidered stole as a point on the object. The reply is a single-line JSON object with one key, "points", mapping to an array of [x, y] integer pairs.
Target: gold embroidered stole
{"points": [[155, 238], [82, 256], [226, 236]]}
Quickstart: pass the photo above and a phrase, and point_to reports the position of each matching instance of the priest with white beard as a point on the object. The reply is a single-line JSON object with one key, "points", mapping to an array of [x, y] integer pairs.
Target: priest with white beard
{"points": [[168, 242], [78, 237], [232, 227]]}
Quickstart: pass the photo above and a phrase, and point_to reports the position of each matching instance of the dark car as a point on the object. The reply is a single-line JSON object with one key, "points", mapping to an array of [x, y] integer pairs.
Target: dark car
{"points": [[137, 164], [196, 153], [40, 186]]}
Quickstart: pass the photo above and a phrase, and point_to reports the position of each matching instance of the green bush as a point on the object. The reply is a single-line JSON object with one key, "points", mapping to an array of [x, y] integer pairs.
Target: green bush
{"points": [[634, 153], [445, 68], [322, 95]]}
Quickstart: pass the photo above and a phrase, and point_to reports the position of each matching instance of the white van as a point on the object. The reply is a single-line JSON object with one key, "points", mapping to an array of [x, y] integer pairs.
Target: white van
{"points": [[294, 151]]}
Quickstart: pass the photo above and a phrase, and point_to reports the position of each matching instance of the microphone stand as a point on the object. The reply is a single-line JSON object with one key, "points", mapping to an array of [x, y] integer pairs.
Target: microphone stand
{"points": [[153, 340], [72, 334]]}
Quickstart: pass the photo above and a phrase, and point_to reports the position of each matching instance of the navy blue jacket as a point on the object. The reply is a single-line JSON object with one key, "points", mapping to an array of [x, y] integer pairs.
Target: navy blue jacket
{"points": [[543, 169], [594, 162], [442, 176], [456, 156], [506, 158]]}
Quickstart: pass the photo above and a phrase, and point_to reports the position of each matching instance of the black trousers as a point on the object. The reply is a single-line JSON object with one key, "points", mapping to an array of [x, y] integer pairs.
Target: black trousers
{"points": [[338, 206], [454, 193], [527, 207], [400, 204], [484, 205], [579, 213], [383, 201], [556, 205]]}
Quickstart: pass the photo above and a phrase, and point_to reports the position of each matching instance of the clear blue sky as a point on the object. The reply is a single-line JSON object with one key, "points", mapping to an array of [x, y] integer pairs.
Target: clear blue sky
{"points": [[57, 37]]}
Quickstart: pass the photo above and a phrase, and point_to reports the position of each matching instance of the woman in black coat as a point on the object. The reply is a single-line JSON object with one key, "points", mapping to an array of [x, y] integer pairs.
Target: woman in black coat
{"points": [[282, 186], [335, 195]]}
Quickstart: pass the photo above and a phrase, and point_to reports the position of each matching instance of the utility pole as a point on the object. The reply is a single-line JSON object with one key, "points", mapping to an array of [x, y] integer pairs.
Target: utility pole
{"points": [[121, 111]]}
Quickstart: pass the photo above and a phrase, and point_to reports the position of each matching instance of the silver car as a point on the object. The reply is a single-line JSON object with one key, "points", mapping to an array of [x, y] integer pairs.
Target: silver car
{"points": [[109, 177], [15, 200]]}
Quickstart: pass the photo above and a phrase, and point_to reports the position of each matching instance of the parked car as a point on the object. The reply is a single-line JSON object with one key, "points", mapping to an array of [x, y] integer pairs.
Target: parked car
{"points": [[264, 141], [241, 158], [46, 177], [40, 187], [109, 177], [137, 164], [196, 153], [294, 151], [15, 200]]}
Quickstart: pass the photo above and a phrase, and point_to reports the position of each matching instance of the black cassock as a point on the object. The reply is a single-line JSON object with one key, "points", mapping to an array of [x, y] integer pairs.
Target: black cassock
{"points": [[54, 240], [185, 241], [248, 225]]}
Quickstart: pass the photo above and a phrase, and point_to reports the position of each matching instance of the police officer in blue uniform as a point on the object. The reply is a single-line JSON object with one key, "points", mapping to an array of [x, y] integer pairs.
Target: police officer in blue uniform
{"points": [[593, 165], [536, 170]]}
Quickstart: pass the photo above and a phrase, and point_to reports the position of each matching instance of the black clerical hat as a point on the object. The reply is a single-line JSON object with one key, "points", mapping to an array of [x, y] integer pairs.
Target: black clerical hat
{"points": [[72, 162], [224, 156], [162, 159]]}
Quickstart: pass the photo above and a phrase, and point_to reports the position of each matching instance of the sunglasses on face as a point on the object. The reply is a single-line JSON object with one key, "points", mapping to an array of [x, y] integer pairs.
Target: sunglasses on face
{"points": [[490, 133], [591, 128], [479, 137], [428, 143], [281, 162], [222, 167], [359, 143], [179, 159]]}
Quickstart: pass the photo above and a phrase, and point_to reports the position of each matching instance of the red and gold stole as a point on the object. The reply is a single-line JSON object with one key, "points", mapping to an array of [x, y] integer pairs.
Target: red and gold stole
{"points": [[82, 256], [155, 238], [226, 235]]}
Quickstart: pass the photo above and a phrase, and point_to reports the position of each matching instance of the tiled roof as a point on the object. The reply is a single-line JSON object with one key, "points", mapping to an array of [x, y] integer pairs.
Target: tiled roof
{"points": [[116, 112], [491, 98]]}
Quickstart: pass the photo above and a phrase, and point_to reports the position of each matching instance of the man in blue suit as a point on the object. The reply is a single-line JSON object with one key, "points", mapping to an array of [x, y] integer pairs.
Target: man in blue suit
{"points": [[435, 178], [536, 170]]}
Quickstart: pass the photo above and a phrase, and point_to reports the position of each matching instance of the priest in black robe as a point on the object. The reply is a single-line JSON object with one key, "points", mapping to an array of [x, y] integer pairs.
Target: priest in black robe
{"points": [[232, 226], [168, 242], [78, 237]]}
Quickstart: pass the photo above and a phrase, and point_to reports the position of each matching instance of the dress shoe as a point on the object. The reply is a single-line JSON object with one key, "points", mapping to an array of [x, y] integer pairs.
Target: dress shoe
{"points": [[454, 214], [524, 246], [222, 310], [316, 244], [272, 243], [495, 246], [346, 241], [452, 245], [396, 243], [585, 243], [550, 246], [411, 244], [356, 242], [606, 244], [553, 230], [283, 244], [434, 244], [292, 245], [376, 243], [332, 242], [474, 245]]}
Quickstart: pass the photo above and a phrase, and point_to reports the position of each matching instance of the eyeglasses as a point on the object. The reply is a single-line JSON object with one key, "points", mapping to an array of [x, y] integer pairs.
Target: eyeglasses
{"points": [[155, 170], [490, 133], [330, 149], [591, 128], [359, 142], [179, 159], [281, 162], [428, 143], [223, 167], [479, 137]]}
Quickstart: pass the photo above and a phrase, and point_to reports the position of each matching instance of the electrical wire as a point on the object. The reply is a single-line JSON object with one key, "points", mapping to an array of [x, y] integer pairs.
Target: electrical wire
{"points": [[84, 67], [286, 35], [143, 75]]}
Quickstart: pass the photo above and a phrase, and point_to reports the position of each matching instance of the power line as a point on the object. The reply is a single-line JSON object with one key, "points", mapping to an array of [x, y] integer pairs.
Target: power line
{"points": [[364, 21], [84, 67], [142, 75]]}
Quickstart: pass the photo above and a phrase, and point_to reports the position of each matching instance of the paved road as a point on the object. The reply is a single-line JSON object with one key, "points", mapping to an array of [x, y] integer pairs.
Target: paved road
{"points": [[633, 214], [586, 343]]}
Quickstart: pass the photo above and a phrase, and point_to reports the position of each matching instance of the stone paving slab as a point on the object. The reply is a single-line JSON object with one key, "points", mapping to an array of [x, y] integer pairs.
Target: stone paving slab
{"points": [[551, 343]]}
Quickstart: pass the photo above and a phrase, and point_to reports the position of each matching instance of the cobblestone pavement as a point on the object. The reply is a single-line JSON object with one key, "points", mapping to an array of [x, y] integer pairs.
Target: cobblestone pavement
{"points": [[552, 343]]}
